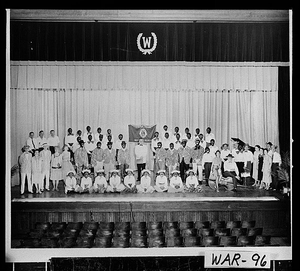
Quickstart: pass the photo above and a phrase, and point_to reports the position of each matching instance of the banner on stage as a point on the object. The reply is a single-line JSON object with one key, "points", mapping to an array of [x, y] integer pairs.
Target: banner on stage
{"points": [[137, 132]]}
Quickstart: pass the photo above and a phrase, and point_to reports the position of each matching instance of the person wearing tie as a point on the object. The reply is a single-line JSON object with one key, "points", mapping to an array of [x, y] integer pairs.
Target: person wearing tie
{"points": [[25, 168], [32, 143], [184, 159]]}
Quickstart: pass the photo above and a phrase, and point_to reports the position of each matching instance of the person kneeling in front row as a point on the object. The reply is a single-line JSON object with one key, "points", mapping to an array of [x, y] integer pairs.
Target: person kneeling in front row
{"points": [[161, 183], [191, 182], [100, 184], [86, 183], [176, 185], [70, 182], [115, 184], [145, 185]]}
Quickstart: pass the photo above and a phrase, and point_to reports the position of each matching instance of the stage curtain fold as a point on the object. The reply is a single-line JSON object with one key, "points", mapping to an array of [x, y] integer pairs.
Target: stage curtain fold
{"points": [[234, 101]]}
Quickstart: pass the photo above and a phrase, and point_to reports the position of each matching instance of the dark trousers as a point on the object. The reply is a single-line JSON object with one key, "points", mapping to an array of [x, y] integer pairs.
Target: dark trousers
{"points": [[240, 166], [231, 174], [140, 167], [52, 149], [183, 167], [207, 169], [274, 168]]}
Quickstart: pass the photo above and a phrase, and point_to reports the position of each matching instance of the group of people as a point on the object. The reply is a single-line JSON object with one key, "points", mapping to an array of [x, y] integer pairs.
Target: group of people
{"points": [[178, 157]]}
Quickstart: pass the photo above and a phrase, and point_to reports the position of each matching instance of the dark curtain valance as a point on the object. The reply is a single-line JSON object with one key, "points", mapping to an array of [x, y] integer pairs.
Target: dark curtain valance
{"points": [[86, 41]]}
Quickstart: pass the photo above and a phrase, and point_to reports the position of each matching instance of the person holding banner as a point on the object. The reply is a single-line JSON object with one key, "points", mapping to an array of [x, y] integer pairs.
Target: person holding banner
{"points": [[141, 152]]}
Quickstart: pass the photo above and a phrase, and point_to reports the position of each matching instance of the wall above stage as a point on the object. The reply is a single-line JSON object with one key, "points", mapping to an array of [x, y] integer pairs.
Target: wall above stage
{"points": [[132, 41]]}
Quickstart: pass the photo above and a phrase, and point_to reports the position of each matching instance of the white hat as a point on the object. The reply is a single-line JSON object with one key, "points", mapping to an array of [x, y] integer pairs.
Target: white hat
{"points": [[128, 169], [114, 170], [86, 170], [175, 171], [189, 171], [161, 170], [100, 171], [70, 171], [145, 170]]}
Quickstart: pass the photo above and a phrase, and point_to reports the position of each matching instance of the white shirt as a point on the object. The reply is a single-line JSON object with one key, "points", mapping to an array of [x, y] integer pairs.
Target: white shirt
{"points": [[207, 158], [209, 136], [145, 181], [166, 143], [277, 158], [86, 182], [129, 180], [190, 143], [174, 136], [154, 142], [114, 181], [141, 152], [100, 180], [53, 141], [89, 146], [117, 144], [248, 156], [70, 139], [32, 143], [224, 153], [161, 181], [231, 167], [213, 149], [191, 180], [177, 145], [174, 181], [203, 144], [41, 141], [70, 182]]}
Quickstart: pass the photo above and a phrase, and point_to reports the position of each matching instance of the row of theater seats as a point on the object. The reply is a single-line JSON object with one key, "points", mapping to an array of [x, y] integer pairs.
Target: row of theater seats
{"points": [[142, 234]]}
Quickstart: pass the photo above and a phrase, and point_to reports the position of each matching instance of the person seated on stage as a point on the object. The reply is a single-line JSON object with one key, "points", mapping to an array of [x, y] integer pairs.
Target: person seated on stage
{"points": [[70, 182], [161, 182], [100, 184], [191, 183], [81, 157], [176, 184], [231, 170], [145, 185], [129, 181], [115, 184], [86, 183]]}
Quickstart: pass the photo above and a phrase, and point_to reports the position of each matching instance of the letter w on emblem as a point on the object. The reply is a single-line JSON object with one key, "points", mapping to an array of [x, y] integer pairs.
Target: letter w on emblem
{"points": [[146, 41]]}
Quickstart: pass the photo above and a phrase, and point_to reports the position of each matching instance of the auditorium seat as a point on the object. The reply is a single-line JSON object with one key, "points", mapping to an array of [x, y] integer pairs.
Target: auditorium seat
{"points": [[143, 235], [228, 241], [248, 224]]}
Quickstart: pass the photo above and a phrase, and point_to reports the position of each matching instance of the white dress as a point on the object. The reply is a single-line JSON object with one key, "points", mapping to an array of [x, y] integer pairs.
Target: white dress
{"points": [[266, 169]]}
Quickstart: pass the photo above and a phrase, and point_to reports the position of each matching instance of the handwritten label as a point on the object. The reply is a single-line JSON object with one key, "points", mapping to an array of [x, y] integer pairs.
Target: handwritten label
{"points": [[232, 259]]}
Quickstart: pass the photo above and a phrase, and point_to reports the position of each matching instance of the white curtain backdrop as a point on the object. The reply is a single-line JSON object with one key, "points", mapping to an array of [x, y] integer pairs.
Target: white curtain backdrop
{"points": [[234, 101]]}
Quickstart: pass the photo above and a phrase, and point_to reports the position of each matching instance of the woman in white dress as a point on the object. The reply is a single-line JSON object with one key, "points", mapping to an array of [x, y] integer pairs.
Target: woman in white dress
{"points": [[255, 165], [36, 169], [266, 169], [56, 168]]}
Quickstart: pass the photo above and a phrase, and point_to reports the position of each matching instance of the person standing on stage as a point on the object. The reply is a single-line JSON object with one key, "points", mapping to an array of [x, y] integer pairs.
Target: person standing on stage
{"points": [[166, 141], [70, 141], [32, 143], [117, 147], [89, 146], [197, 131], [81, 157], [197, 154], [248, 160], [231, 170], [154, 142], [88, 132], [160, 157], [123, 159], [176, 131], [202, 141], [184, 153], [207, 162], [53, 141], [276, 162], [97, 157], [190, 142], [36, 171], [109, 156], [66, 161], [25, 166], [141, 152], [239, 160], [266, 169], [98, 135], [215, 173], [209, 136], [172, 159], [46, 157], [255, 165], [213, 148], [177, 142], [56, 168]]}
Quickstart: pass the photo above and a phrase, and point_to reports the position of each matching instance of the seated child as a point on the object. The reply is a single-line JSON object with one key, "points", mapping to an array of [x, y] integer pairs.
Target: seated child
{"points": [[115, 184], [191, 183], [129, 181], [145, 185], [161, 183], [176, 184], [86, 184], [100, 184], [70, 182]]}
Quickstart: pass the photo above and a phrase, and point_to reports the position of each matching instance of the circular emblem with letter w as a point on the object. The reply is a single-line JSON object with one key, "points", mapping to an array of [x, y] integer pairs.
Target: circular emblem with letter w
{"points": [[146, 49]]}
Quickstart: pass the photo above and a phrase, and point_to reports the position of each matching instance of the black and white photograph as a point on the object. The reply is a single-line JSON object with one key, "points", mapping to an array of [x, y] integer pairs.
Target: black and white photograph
{"points": [[140, 139]]}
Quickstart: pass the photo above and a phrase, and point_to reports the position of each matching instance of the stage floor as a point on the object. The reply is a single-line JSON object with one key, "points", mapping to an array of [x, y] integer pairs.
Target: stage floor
{"points": [[243, 193]]}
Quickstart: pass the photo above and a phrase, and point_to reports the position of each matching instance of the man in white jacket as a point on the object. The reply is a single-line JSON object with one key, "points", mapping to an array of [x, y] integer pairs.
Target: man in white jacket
{"points": [[141, 152]]}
